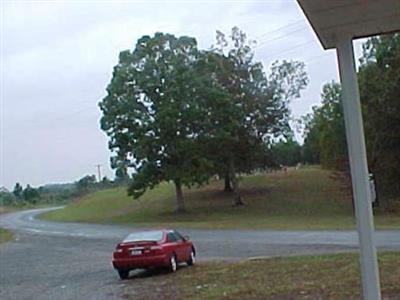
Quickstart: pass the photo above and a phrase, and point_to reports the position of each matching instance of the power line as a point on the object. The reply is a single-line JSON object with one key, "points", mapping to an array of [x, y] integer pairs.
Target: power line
{"points": [[290, 49], [279, 37], [316, 58], [263, 41], [279, 29]]}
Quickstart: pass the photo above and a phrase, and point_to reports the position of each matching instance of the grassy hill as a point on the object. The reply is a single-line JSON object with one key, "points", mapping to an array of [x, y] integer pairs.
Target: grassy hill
{"points": [[300, 199]]}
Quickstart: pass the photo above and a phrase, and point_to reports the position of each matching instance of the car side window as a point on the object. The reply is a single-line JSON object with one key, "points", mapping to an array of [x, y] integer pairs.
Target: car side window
{"points": [[171, 237], [179, 236]]}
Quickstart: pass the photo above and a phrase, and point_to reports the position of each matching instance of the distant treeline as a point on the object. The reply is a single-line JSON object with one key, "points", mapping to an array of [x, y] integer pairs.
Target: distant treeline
{"points": [[54, 193]]}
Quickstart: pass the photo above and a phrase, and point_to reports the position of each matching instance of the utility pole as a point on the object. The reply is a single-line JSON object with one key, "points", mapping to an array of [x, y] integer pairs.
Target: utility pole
{"points": [[99, 171]]}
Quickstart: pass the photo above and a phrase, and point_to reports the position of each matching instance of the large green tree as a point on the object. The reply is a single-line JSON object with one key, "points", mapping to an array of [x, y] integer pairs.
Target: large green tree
{"points": [[252, 107], [86, 183], [179, 114], [30, 194], [17, 191], [379, 80], [325, 139], [153, 114], [287, 151]]}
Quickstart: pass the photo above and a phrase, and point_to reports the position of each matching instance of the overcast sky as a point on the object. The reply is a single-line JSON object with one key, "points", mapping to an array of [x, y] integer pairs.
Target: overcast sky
{"points": [[57, 58]]}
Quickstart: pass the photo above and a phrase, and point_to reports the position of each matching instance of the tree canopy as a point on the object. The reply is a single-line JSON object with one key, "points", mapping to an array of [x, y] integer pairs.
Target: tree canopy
{"points": [[379, 82], [177, 113], [325, 138], [253, 107], [153, 113], [379, 78]]}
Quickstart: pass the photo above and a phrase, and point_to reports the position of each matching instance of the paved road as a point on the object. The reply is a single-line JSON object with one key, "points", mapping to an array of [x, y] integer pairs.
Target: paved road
{"points": [[51, 260]]}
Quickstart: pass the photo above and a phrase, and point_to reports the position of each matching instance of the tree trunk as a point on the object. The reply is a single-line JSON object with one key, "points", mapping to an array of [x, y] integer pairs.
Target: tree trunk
{"points": [[180, 204], [228, 187], [237, 199]]}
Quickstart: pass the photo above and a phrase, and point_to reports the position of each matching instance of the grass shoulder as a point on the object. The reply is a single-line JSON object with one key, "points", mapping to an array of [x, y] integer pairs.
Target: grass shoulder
{"points": [[303, 277], [4, 209], [5, 235], [7, 209], [300, 199]]}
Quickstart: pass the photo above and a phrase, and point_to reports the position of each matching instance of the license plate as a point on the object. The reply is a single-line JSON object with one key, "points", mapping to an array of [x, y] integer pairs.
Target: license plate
{"points": [[136, 252]]}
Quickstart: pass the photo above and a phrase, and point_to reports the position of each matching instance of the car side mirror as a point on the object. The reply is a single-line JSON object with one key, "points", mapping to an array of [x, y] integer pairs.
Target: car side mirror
{"points": [[187, 238]]}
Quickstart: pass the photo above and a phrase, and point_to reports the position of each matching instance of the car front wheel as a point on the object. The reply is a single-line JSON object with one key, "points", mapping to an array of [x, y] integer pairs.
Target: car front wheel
{"points": [[173, 264], [123, 274], [192, 259]]}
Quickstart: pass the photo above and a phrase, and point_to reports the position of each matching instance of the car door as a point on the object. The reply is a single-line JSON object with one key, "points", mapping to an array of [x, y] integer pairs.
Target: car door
{"points": [[173, 245], [182, 246]]}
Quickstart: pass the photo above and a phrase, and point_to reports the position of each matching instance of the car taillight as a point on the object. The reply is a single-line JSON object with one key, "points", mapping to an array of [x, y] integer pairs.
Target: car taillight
{"points": [[118, 250]]}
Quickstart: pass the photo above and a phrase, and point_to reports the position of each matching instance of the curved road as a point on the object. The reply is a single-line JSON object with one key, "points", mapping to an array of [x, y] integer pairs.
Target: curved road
{"points": [[49, 260]]}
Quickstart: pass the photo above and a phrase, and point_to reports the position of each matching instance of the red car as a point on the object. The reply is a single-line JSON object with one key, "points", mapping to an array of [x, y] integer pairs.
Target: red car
{"points": [[149, 249]]}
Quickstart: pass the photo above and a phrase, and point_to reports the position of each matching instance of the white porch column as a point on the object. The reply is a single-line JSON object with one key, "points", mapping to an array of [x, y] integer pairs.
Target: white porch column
{"points": [[359, 170]]}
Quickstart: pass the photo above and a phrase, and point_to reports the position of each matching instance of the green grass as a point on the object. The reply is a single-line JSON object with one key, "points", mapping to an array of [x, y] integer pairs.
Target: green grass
{"points": [[301, 199], [5, 235], [303, 277], [4, 209], [7, 209]]}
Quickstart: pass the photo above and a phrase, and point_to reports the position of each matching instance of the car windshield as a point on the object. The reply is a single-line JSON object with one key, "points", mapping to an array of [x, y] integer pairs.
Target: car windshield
{"points": [[144, 236]]}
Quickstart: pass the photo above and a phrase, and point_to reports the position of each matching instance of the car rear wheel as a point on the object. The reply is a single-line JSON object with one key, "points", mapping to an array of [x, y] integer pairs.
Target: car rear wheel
{"points": [[123, 274], [173, 264], [192, 259]]}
